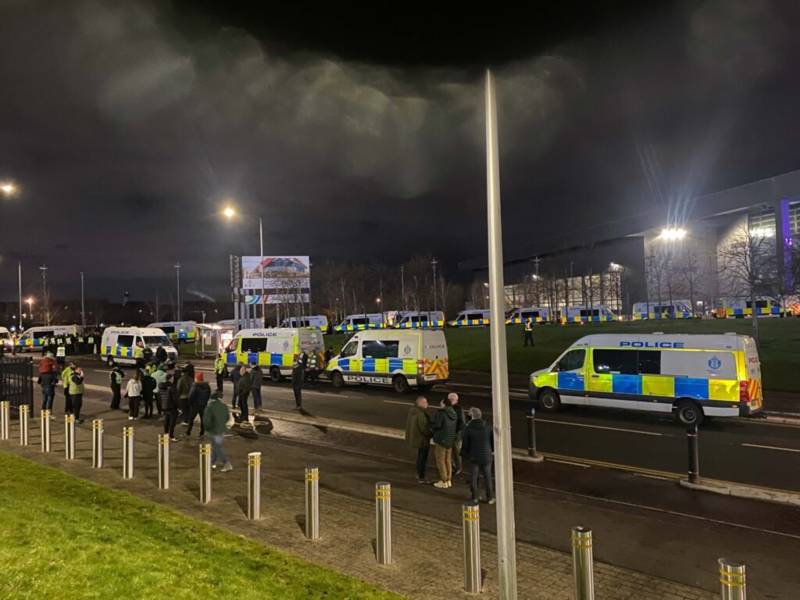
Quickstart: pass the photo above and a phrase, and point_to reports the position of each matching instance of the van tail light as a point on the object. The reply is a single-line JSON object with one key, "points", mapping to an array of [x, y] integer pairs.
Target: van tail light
{"points": [[744, 391], [420, 366]]}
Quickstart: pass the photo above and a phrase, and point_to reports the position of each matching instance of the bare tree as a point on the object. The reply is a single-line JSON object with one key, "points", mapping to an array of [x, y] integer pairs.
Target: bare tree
{"points": [[689, 271]]}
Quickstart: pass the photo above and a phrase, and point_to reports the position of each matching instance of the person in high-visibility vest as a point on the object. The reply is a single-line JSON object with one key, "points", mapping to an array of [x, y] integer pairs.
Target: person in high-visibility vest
{"points": [[115, 378], [138, 355], [220, 370], [76, 392], [66, 377], [528, 332]]}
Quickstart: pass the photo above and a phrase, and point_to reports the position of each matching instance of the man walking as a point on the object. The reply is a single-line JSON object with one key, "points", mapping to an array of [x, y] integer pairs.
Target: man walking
{"points": [[183, 388], [115, 379], [198, 399], [298, 378], [444, 435], [243, 390], [48, 379], [528, 332], [477, 448], [460, 424], [66, 377], [256, 377], [169, 399], [216, 418], [236, 375], [76, 392], [418, 435], [220, 371]]}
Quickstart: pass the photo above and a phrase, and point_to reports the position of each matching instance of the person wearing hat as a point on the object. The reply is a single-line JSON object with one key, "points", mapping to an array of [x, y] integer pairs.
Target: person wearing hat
{"points": [[199, 394], [47, 380]]}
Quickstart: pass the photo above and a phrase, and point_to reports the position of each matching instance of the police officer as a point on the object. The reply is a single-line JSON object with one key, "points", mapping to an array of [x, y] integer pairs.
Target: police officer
{"points": [[138, 355], [528, 332], [66, 378], [220, 370], [76, 392], [298, 378], [115, 379]]}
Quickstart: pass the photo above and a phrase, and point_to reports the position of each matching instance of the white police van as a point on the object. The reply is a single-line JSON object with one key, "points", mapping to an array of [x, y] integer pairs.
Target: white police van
{"points": [[318, 321], [34, 338], [275, 350], [117, 344]]}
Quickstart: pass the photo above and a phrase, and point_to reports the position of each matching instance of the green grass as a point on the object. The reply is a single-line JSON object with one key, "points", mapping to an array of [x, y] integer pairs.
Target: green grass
{"points": [[779, 346], [64, 537]]}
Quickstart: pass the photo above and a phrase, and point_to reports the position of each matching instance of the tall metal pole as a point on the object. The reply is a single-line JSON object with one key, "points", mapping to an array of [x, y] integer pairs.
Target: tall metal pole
{"points": [[19, 278], [45, 299], [402, 286], [434, 262], [261, 268], [178, 284], [506, 536], [83, 306]]}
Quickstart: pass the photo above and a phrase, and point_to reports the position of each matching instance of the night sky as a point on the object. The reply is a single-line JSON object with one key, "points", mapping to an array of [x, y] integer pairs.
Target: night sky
{"points": [[358, 133]]}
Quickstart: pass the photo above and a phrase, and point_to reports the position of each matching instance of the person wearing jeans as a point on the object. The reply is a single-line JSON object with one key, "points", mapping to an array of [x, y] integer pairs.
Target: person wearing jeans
{"points": [[216, 418], [170, 404], [418, 435], [134, 393], [477, 448]]}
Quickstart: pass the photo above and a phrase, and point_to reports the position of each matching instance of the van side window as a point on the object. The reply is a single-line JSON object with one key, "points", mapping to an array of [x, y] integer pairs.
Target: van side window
{"points": [[571, 361], [650, 362], [379, 348], [42, 334], [125, 340], [254, 344], [360, 321], [474, 316], [349, 350], [622, 362], [232, 345]]}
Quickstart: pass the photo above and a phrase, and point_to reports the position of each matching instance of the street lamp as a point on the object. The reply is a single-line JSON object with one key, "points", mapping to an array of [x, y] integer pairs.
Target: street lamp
{"points": [[8, 188], [230, 213], [29, 302], [672, 234]]}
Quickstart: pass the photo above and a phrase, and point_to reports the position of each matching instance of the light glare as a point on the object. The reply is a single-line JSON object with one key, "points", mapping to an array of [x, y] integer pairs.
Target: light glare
{"points": [[672, 234]]}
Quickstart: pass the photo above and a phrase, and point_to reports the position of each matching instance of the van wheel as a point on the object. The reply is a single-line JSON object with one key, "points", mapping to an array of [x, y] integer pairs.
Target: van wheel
{"points": [[549, 401], [337, 380], [110, 361], [275, 374], [400, 384], [688, 412]]}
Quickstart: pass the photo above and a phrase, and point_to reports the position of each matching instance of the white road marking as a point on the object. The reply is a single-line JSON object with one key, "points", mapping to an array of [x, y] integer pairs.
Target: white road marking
{"points": [[779, 448], [624, 430], [659, 477], [569, 462], [403, 402]]}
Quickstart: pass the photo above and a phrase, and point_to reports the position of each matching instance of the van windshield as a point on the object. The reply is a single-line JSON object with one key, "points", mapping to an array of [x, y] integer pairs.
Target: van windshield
{"points": [[156, 340]]}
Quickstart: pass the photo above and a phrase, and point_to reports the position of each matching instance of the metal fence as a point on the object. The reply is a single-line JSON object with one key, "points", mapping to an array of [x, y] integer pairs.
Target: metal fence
{"points": [[16, 381]]}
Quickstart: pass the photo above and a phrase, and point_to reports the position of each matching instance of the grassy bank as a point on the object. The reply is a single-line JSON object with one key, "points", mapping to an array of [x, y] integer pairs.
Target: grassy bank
{"points": [[779, 346], [64, 537]]}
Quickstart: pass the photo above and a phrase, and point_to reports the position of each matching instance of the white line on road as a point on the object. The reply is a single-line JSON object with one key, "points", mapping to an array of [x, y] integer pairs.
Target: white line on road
{"points": [[779, 448], [403, 402], [574, 424], [569, 462]]}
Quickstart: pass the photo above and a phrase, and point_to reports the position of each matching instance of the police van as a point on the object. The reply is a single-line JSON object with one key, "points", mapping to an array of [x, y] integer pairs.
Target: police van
{"points": [[690, 376], [275, 350], [597, 313], [420, 319], [318, 321], [739, 308], [178, 331], [520, 316], [401, 358], [679, 309], [360, 322], [117, 344], [35, 338], [5, 339], [471, 318]]}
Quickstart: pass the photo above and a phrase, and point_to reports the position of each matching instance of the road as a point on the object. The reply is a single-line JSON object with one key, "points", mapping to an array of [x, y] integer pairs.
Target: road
{"points": [[641, 519]]}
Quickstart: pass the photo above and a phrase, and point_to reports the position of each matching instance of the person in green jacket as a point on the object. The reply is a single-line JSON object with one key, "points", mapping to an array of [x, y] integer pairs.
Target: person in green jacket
{"points": [[215, 420], [76, 392], [418, 435], [66, 376], [444, 436]]}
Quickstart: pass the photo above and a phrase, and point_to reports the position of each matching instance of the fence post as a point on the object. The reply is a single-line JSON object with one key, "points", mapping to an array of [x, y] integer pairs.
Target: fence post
{"points": [[692, 435], [254, 486], [733, 584], [582, 563], [23, 425], [97, 443], [4, 418], [205, 473], [312, 503], [127, 452], [472, 547], [532, 453], [69, 437], [383, 522], [163, 461], [44, 419]]}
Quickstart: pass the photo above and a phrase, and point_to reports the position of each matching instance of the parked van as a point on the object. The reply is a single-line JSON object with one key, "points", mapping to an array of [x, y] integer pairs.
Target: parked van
{"points": [[275, 350], [178, 331], [679, 309], [586, 314], [318, 321], [471, 318], [519, 316], [399, 358], [5, 338], [691, 376], [117, 344], [360, 322], [420, 319], [739, 308], [34, 338]]}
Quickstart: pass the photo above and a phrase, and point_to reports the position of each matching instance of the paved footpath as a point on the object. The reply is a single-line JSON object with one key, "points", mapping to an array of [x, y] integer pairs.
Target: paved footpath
{"points": [[427, 552]]}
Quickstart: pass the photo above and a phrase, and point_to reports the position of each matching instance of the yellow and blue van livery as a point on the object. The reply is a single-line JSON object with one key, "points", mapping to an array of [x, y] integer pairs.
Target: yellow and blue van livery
{"points": [[691, 376], [520, 316], [430, 319], [739, 308], [361, 322], [117, 344], [35, 338], [180, 332], [398, 358], [586, 314], [471, 318], [275, 349], [679, 309]]}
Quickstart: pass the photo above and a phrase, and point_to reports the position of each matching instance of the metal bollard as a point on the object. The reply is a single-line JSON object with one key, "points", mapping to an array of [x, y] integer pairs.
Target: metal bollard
{"points": [[23, 425], [4, 419], [254, 486], [312, 503], [205, 473], [127, 452], [44, 419], [69, 437], [383, 522], [532, 453], [97, 443], [582, 563], [733, 584], [163, 461], [694, 453], [472, 547]]}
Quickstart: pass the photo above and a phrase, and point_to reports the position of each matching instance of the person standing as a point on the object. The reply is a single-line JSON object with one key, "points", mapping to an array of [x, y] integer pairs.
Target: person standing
{"points": [[477, 448], [148, 390], [159, 375], [418, 435], [76, 392], [444, 435], [134, 393], [243, 390], [47, 380], [138, 355], [115, 379], [298, 379], [460, 424], [184, 386], [216, 418], [256, 377], [220, 370], [198, 399], [170, 403], [236, 375], [528, 333], [66, 377], [161, 355]]}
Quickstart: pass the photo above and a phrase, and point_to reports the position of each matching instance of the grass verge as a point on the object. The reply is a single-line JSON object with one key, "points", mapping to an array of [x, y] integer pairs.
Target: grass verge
{"points": [[64, 537]]}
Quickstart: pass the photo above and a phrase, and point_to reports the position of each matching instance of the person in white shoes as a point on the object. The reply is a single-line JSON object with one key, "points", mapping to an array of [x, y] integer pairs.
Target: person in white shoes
{"points": [[134, 393], [444, 436]]}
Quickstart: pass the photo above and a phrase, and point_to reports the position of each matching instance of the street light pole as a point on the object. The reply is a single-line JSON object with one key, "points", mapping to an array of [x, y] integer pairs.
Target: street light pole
{"points": [[83, 305], [506, 536], [19, 283], [45, 299], [178, 284], [261, 267], [434, 262], [403, 286]]}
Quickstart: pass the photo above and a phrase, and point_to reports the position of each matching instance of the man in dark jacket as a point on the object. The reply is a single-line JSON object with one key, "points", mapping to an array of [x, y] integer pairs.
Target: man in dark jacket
{"points": [[298, 379], [477, 449], [243, 389], [198, 399], [183, 388], [236, 375], [444, 436], [418, 435], [115, 379], [161, 355], [48, 377], [169, 400], [461, 422], [216, 420], [148, 391], [256, 377]]}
